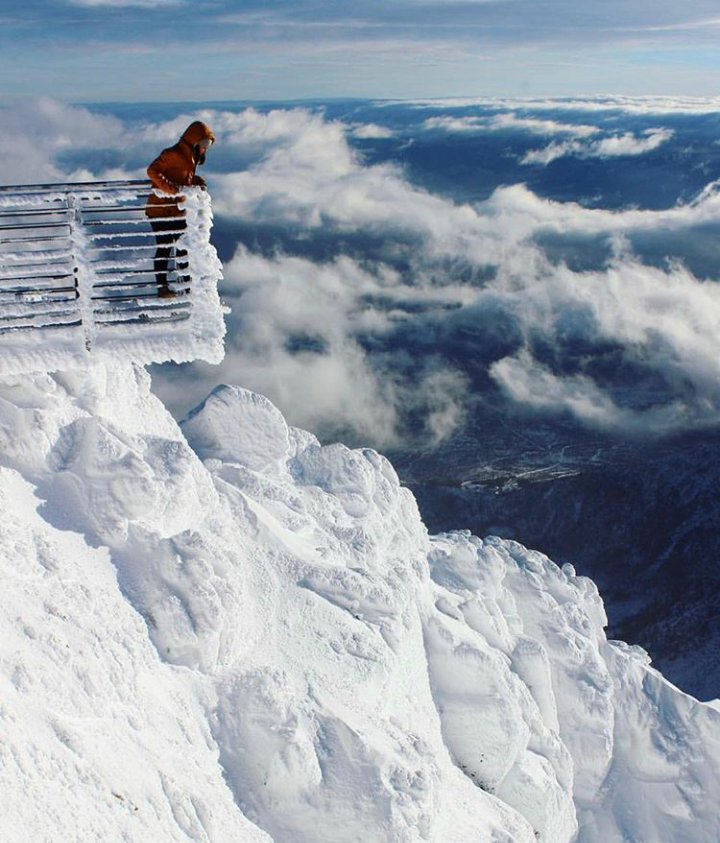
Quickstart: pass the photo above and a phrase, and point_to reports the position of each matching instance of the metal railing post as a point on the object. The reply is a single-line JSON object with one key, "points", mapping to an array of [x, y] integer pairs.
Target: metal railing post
{"points": [[82, 273]]}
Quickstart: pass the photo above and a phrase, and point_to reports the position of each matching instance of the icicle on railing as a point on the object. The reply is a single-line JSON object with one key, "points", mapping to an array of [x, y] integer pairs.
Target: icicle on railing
{"points": [[78, 280]]}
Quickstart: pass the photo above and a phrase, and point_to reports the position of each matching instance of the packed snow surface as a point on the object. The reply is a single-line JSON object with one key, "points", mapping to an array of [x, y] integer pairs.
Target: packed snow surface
{"points": [[224, 631]]}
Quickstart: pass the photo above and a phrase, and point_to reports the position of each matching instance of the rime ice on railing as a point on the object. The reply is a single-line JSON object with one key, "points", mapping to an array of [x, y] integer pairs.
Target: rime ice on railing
{"points": [[78, 283]]}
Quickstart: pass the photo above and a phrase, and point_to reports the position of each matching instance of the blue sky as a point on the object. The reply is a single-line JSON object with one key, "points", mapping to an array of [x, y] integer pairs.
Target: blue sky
{"points": [[174, 50]]}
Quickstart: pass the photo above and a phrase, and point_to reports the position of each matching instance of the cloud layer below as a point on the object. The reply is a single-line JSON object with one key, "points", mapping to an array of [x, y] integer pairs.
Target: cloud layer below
{"points": [[451, 296]]}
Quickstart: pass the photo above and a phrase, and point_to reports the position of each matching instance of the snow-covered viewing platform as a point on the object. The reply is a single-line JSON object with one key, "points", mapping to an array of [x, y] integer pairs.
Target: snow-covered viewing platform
{"points": [[78, 280]]}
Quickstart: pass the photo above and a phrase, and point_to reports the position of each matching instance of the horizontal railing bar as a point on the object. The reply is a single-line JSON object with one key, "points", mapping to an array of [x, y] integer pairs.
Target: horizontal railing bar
{"points": [[120, 234], [169, 201], [143, 310], [119, 184], [24, 305], [59, 202], [39, 315], [10, 328], [118, 268], [50, 254], [34, 239], [137, 320], [136, 220], [45, 263], [130, 248], [158, 305], [54, 277], [111, 234], [123, 272], [66, 300], [121, 263], [24, 212], [139, 221], [24, 225], [172, 218], [181, 292], [112, 209], [124, 235], [34, 290], [118, 285]]}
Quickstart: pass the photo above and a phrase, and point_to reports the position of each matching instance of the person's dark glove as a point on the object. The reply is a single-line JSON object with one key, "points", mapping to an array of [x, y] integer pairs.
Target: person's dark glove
{"points": [[199, 181]]}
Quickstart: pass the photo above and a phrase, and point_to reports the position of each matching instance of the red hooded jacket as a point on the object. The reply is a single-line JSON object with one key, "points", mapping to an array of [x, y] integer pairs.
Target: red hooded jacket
{"points": [[174, 169]]}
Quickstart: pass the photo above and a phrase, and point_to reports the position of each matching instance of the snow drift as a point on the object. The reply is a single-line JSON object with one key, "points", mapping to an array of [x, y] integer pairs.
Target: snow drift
{"points": [[224, 631]]}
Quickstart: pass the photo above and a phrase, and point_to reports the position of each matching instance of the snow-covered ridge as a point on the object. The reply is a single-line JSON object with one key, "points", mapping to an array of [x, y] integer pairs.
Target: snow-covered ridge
{"points": [[228, 632]]}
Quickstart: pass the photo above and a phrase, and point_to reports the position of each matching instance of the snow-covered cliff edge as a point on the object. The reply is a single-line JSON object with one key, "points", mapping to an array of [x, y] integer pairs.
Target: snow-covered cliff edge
{"points": [[227, 632]]}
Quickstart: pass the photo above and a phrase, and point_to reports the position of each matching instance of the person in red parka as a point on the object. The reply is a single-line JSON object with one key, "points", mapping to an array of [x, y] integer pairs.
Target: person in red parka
{"points": [[172, 170]]}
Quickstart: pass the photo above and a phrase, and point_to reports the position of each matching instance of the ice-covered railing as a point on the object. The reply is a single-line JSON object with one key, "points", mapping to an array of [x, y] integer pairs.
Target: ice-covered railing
{"points": [[78, 282]]}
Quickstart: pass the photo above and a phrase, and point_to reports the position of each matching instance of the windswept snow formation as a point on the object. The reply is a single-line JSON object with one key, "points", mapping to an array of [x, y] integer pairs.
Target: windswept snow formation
{"points": [[224, 631]]}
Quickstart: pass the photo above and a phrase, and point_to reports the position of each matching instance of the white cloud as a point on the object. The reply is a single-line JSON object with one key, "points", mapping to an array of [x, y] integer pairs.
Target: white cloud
{"points": [[143, 4], [456, 124], [629, 144], [534, 387], [552, 152], [627, 104], [34, 132], [542, 127], [610, 147], [509, 120], [311, 174], [666, 322], [247, 129], [310, 177], [295, 337], [522, 214], [371, 131], [704, 23], [446, 401]]}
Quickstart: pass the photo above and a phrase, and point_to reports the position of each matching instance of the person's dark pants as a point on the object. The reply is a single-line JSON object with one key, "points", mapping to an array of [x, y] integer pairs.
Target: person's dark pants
{"points": [[167, 233]]}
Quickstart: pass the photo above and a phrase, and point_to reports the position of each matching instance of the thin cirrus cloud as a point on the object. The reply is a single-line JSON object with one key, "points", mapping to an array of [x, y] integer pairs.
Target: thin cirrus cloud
{"points": [[299, 325], [708, 23], [492, 22], [140, 4], [256, 49]]}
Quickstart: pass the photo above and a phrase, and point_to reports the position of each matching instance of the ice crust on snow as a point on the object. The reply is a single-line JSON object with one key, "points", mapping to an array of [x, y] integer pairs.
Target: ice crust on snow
{"points": [[224, 630]]}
